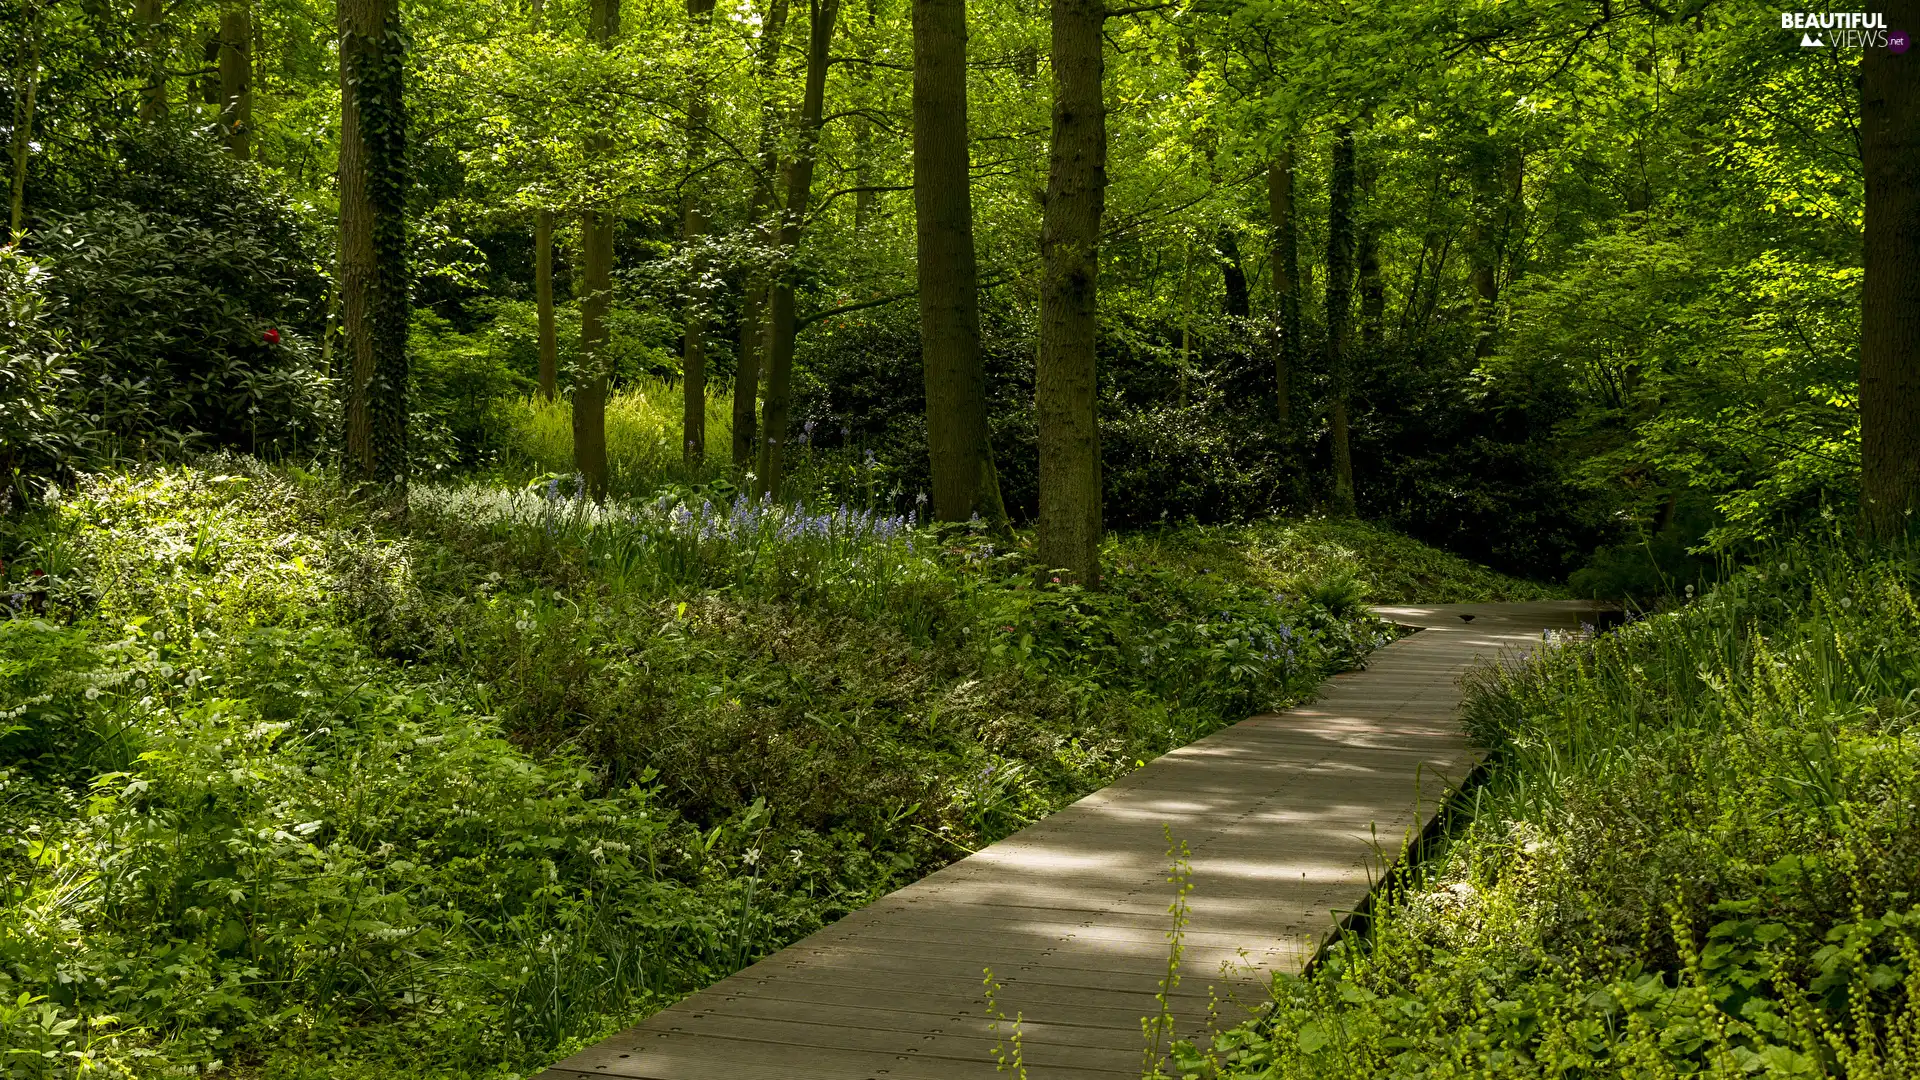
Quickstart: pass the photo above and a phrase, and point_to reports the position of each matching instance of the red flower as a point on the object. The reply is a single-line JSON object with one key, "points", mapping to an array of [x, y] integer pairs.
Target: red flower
{"points": [[272, 337], [39, 573]]}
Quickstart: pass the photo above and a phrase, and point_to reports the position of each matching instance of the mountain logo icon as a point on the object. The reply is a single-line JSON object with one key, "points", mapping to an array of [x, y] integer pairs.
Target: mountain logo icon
{"points": [[1808, 41]]}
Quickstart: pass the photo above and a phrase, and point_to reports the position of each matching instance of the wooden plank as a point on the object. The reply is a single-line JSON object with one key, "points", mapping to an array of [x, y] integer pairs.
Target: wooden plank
{"points": [[1289, 818]]}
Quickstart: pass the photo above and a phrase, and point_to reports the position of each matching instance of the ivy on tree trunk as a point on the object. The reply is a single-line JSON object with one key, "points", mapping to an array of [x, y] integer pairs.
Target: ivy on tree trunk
{"points": [[374, 306]]}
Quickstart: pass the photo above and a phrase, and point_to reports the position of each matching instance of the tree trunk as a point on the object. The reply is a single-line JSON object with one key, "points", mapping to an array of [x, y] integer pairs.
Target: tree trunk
{"points": [[693, 227], [23, 126], [151, 15], [746, 376], [1373, 291], [1890, 295], [596, 288], [1497, 196], [958, 446], [236, 79], [781, 327], [1285, 248], [753, 329], [1064, 379], [373, 243], [543, 304], [1233, 275], [863, 130], [1340, 245]]}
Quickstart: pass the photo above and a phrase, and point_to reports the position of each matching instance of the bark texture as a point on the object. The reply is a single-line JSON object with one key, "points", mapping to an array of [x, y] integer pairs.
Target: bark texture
{"points": [[543, 304], [693, 227], [596, 283], [753, 303], [1233, 275], [151, 16], [374, 312], [1890, 295], [1064, 384], [236, 79], [961, 453], [1285, 249], [1340, 252], [1373, 289], [781, 325]]}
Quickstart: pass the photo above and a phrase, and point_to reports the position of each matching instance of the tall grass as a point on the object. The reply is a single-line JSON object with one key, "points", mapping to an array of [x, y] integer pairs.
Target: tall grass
{"points": [[1698, 854], [643, 437]]}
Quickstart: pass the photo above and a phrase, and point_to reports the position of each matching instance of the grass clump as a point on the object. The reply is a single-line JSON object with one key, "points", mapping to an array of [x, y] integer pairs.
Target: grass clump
{"points": [[1696, 854], [290, 787], [1342, 563]]}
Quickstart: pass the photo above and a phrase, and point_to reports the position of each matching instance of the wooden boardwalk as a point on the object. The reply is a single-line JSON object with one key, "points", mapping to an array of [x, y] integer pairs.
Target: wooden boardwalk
{"points": [[1289, 818]]}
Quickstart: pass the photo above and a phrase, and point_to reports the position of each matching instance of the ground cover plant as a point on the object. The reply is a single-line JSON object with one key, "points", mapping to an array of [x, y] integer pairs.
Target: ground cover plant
{"points": [[1697, 853], [296, 789]]}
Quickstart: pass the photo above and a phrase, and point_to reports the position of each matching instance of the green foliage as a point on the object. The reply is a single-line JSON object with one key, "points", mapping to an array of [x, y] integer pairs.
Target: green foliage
{"points": [[139, 316], [1695, 855], [39, 432], [293, 789]]}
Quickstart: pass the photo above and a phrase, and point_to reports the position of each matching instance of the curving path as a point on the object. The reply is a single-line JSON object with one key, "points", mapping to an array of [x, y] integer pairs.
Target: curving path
{"points": [[1289, 818]]}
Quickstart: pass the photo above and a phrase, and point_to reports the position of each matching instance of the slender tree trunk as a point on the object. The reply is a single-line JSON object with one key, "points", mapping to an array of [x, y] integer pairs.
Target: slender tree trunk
{"points": [[753, 307], [1064, 380], [1373, 290], [693, 227], [1285, 248], [781, 326], [236, 79], [1890, 295], [746, 376], [549, 333], [151, 14], [596, 280], [964, 480], [23, 125], [1496, 213], [1340, 245], [373, 243], [1233, 275], [543, 304], [863, 130]]}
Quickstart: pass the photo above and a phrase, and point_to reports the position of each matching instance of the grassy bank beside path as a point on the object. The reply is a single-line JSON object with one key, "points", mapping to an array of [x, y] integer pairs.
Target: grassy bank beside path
{"points": [[295, 787]]}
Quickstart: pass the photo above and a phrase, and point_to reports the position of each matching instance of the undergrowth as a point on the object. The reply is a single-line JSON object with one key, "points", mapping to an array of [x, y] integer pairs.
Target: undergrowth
{"points": [[290, 787], [1698, 853]]}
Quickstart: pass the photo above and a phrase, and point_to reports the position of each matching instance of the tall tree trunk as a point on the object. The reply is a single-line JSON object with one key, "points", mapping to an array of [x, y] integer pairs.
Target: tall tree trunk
{"points": [[596, 281], [1373, 290], [1064, 379], [1497, 196], [863, 129], [693, 227], [1890, 295], [543, 304], [753, 305], [1340, 245], [23, 125], [958, 446], [151, 15], [781, 326], [236, 79], [746, 376], [373, 242], [1285, 249], [549, 333], [1233, 275]]}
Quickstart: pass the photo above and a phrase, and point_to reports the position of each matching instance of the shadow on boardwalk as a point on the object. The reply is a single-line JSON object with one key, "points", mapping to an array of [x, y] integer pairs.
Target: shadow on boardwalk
{"points": [[1289, 819]]}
